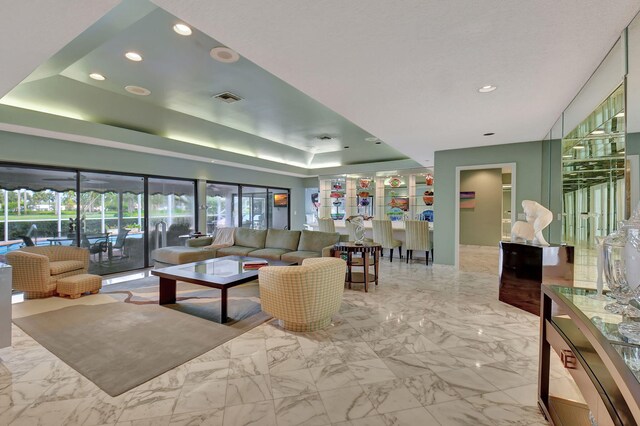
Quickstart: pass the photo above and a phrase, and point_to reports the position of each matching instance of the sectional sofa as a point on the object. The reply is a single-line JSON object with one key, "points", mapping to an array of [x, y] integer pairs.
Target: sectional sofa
{"points": [[292, 246]]}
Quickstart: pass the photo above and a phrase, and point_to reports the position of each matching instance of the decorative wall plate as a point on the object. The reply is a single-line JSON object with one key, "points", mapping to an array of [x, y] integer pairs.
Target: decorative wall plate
{"points": [[395, 182]]}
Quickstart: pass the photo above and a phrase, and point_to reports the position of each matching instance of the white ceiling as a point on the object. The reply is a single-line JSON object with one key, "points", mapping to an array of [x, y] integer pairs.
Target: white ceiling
{"points": [[404, 71], [407, 71]]}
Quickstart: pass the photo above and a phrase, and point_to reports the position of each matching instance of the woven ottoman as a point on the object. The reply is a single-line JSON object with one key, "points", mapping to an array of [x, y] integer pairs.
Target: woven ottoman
{"points": [[76, 285]]}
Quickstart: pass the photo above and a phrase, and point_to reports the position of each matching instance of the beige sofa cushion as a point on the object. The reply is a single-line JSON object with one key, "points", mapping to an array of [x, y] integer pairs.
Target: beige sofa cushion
{"points": [[235, 251], [62, 266], [316, 241], [245, 237], [178, 255], [282, 239], [299, 256], [269, 253]]}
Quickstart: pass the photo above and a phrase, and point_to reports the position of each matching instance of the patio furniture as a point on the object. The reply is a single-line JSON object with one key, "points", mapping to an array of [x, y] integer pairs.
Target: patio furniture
{"points": [[119, 244], [305, 297], [99, 245], [77, 285], [31, 234], [383, 235], [36, 270], [417, 233]]}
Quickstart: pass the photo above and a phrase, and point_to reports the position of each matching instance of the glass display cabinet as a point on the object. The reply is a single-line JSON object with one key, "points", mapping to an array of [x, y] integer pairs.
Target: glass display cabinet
{"points": [[604, 364]]}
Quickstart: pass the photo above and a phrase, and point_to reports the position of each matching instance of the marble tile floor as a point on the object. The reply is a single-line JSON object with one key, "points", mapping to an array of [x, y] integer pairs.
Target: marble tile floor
{"points": [[428, 346]]}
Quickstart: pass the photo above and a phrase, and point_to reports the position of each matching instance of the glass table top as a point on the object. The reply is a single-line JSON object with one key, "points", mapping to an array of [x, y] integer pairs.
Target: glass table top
{"points": [[223, 268], [592, 306]]}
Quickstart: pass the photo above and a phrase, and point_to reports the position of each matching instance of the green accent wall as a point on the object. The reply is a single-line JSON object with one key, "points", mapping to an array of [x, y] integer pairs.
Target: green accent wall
{"points": [[26, 149], [528, 157]]}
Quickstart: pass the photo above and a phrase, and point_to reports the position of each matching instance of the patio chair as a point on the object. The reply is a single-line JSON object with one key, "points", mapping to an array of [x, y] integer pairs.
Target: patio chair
{"points": [[101, 245], [119, 244], [30, 236]]}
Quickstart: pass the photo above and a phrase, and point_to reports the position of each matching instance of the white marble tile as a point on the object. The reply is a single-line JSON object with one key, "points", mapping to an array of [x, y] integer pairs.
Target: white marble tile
{"points": [[354, 351], [100, 410], [459, 413], [347, 404], [248, 390], [503, 410], [502, 377], [257, 414], [301, 410], [466, 382], [413, 417], [46, 413], [200, 418], [430, 389], [390, 396], [205, 371], [371, 370], [332, 376], [20, 393], [290, 383], [406, 365], [249, 365], [150, 403], [151, 421], [201, 396], [70, 388], [321, 355]]}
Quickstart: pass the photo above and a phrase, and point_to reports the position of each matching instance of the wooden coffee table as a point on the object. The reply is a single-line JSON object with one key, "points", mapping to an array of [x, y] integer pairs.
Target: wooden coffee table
{"points": [[221, 273]]}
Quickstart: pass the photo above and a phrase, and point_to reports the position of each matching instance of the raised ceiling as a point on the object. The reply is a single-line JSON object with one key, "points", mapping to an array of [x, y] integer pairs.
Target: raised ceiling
{"points": [[273, 121], [407, 71]]}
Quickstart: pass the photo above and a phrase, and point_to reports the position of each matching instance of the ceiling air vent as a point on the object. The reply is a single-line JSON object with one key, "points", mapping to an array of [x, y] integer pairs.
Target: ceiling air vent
{"points": [[324, 138], [228, 97]]}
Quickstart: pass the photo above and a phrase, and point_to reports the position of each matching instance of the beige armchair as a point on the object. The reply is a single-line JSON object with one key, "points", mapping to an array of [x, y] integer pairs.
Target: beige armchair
{"points": [[36, 270], [303, 297]]}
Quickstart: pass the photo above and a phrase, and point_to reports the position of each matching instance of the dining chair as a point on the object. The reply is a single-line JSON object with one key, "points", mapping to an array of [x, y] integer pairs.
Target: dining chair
{"points": [[417, 237], [326, 225], [383, 235]]}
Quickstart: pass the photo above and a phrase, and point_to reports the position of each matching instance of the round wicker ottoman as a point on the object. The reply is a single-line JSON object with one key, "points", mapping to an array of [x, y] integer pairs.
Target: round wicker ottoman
{"points": [[76, 285]]}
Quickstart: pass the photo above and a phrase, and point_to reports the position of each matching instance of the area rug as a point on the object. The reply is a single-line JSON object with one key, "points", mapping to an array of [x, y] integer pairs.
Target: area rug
{"points": [[119, 346]]}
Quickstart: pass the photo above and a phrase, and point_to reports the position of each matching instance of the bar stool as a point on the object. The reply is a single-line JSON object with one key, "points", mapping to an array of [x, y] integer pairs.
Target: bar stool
{"points": [[383, 235], [417, 234]]}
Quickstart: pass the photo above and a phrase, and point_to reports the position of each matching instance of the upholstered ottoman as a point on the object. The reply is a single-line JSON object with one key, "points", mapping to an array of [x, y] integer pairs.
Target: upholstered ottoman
{"points": [[76, 285]]}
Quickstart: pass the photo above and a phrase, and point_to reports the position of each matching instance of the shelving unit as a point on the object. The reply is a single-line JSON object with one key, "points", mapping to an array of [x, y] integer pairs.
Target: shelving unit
{"points": [[602, 362], [400, 201]]}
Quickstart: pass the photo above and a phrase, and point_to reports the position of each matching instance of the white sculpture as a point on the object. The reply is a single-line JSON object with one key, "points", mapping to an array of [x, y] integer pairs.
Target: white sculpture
{"points": [[538, 218]]}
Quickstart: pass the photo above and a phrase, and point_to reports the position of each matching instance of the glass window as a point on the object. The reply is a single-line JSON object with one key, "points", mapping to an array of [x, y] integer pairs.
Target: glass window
{"points": [[171, 212], [254, 207], [111, 218], [221, 206], [278, 208], [37, 207]]}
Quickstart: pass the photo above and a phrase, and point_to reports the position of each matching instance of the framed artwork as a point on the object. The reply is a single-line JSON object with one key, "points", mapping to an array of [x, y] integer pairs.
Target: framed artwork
{"points": [[281, 200], [467, 199]]}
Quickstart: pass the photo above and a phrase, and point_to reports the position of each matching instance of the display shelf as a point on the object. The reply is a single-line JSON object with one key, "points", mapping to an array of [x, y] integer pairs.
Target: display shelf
{"points": [[604, 365]]}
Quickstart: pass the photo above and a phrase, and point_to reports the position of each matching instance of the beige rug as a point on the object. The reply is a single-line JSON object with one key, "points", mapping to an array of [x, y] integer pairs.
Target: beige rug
{"points": [[119, 346]]}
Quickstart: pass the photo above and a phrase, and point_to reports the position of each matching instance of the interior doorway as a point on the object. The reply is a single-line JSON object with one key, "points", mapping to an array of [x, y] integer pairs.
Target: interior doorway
{"points": [[485, 211]]}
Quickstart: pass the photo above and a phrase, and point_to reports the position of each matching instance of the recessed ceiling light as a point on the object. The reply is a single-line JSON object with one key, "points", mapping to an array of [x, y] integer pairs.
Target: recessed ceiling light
{"points": [[224, 54], [96, 76], [578, 147], [488, 134], [182, 29], [598, 132], [346, 147], [133, 56], [213, 161], [378, 143], [137, 90], [486, 89], [620, 114]]}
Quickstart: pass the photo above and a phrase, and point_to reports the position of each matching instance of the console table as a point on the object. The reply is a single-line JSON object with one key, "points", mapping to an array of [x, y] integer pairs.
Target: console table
{"points": [[5, 305], [524, 268], [604, 365]]}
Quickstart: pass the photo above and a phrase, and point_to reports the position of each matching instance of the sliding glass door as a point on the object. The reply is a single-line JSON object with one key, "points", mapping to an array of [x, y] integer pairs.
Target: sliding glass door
{"points": [[111, 221], [171, 212], [221, 203]]}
